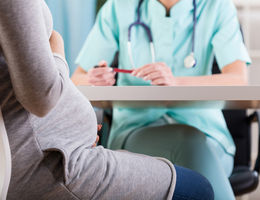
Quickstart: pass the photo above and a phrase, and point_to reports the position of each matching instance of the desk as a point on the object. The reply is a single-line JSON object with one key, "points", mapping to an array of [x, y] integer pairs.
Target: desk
{"points": [[221, 97]]}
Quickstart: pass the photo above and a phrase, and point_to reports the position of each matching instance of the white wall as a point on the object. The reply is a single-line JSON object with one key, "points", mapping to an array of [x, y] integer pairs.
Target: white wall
{"points": [[249, 15]]}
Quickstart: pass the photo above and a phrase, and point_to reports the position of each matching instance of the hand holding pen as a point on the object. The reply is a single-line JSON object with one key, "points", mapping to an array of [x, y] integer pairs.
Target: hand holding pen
{"points": [[101, 75]]}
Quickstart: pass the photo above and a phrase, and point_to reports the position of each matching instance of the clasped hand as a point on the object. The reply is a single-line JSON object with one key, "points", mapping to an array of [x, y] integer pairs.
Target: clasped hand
{"points": [[157, 73]]}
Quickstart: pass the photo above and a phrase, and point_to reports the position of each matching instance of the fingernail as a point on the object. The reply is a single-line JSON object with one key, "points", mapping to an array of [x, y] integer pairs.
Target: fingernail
{"points": [[146, 78], [110, 69]]}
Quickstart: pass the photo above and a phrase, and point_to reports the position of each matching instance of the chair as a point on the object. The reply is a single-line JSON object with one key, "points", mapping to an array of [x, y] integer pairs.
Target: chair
{"points": [[245, 177], [5, 160]]}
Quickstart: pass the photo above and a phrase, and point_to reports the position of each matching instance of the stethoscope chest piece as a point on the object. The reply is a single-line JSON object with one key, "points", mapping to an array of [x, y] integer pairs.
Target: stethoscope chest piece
{"points": [[190, 61]]}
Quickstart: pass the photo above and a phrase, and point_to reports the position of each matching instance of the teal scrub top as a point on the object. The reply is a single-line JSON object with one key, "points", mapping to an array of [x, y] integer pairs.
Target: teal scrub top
{"points": [[217, 33]]}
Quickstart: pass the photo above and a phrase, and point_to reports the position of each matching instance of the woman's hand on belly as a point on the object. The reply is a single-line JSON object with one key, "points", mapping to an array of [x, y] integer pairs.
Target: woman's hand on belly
{"points": [[96, 142], [157, 73], [97, 139]]}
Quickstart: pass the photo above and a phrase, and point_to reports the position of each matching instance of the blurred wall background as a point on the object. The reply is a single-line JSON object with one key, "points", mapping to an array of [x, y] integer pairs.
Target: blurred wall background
{"points": [[73, 19], [249, 16]]}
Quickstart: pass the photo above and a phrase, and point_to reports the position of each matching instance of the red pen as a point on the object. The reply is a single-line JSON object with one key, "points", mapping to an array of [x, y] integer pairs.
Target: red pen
{"points": [[126, 71], [123, 71]]}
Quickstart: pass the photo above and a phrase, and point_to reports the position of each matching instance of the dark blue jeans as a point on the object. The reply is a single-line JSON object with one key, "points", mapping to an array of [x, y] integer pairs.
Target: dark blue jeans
{"points": [[192, 186]]}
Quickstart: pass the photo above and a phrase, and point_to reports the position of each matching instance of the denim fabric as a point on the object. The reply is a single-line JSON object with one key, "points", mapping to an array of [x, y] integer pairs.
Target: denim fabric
{"points": [[191, 186]]}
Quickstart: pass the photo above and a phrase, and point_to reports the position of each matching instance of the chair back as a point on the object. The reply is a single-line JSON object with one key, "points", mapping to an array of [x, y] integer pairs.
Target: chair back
{"points": [[240, 128], [5, 160]]}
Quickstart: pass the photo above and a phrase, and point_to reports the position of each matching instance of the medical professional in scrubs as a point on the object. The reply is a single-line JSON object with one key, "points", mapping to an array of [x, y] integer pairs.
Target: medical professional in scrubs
{"points": [[177, 44]]}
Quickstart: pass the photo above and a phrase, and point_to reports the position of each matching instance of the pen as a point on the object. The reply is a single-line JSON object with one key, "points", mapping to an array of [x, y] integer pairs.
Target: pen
{"points": [[126, 71], [122, 71]]}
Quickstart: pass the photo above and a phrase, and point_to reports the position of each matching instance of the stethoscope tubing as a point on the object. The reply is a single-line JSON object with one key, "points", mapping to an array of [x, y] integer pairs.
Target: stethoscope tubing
{"points": [[194, 25]]}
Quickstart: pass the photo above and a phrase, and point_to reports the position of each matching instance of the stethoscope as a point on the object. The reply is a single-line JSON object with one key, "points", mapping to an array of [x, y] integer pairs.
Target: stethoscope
{"points": [[189, 61]]}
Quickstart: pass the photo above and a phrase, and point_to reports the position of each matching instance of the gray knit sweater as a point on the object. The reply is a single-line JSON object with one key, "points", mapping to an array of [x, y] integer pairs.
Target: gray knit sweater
{"points": [[51, 126]]}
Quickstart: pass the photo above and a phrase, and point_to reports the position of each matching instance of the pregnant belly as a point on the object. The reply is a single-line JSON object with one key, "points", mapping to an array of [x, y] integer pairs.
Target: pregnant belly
{"points": [[72, 123]]}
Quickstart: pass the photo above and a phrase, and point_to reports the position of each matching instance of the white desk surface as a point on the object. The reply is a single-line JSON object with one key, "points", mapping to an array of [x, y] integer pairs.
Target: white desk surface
{"points": [[223, 97]]}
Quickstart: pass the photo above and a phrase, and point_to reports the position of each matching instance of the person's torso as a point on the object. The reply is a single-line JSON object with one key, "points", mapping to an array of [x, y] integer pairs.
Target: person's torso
{"points": [[172, 36]]}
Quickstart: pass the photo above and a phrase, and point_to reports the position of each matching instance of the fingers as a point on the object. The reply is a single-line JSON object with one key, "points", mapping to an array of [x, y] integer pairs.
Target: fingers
{"points": [[96, 142], [105, 76], [153, 75], [97, 139], [100, 70], [157, 73], [158, 78], [99, 127], [102, 82], [101, 75], [103, 79], [102, 63], [150, 68], [142, 71]]}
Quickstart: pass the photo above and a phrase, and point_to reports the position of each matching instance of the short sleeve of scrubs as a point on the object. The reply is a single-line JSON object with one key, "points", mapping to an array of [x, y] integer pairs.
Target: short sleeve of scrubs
{"points": [[228, 41], [102, 41]]}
